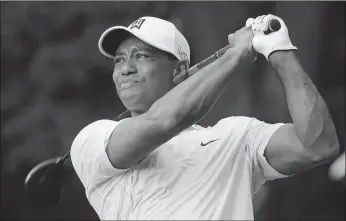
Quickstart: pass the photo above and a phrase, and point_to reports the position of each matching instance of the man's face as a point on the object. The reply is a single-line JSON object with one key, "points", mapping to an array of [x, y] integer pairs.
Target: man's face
{"points": [[142, 74]]}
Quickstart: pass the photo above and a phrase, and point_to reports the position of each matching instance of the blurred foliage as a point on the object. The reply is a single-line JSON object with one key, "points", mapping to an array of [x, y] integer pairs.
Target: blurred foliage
{"points": [[54, 81]]}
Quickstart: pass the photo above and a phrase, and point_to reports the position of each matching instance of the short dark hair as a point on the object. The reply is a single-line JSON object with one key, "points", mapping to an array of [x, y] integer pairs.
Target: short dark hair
{"points": [[171, 56]]}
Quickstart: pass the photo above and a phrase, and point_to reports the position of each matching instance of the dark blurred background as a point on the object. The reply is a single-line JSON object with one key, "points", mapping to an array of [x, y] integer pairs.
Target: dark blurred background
{"points": [[54, 81]]}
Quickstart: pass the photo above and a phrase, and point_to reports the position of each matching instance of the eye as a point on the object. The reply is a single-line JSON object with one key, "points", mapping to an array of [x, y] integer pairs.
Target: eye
{"points": [[141, 56], [117, 60]]}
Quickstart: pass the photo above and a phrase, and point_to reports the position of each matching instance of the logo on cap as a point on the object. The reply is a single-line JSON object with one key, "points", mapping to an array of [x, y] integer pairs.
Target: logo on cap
{"points": [[182, 54], [137, 24]]}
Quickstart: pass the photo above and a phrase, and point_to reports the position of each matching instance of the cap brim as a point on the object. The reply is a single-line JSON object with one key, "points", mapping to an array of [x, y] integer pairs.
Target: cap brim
{"points": [[111, 39]]}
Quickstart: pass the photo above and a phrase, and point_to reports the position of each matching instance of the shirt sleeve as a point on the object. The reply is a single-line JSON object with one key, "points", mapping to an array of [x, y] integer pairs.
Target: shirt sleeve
{"points": [[88, 154], [257, 136]]}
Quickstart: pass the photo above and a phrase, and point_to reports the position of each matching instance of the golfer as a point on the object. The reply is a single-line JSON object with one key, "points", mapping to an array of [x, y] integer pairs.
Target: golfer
{"points": [[157, 163]]}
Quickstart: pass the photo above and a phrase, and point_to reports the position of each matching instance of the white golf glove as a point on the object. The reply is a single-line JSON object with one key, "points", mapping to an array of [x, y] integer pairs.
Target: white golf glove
{"points": [[275, 41]]}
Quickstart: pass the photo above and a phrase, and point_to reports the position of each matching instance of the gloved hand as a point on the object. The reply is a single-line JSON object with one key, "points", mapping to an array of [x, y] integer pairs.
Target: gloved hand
{"points": [[275, 41]]}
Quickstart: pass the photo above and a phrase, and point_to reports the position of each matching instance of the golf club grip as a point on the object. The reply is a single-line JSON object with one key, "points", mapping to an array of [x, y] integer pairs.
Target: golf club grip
{"points": [[273, 25]]}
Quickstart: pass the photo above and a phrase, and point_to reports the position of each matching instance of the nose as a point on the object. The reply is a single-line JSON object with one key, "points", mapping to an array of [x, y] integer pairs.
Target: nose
{"points": [[128, 67]]}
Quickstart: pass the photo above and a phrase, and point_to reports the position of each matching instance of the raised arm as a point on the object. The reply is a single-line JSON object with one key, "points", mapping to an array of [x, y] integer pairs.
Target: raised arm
{"points": [[311, 139], [181, 107]]}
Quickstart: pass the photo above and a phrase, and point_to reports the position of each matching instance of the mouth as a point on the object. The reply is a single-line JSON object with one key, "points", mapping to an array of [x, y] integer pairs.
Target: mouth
{"points": [[126, 85]]}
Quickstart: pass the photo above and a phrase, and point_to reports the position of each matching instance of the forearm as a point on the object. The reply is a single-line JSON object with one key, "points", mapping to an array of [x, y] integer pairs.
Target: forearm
{"points": [[310, 115], [192, 99]]}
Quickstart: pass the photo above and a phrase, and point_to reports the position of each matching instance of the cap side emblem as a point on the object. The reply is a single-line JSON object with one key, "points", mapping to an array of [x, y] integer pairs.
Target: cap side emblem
{"points": [[182, 54]]}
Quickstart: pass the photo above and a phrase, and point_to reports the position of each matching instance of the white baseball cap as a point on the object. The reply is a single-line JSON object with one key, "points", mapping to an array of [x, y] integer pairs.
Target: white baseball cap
{"points": [[156, 32]]}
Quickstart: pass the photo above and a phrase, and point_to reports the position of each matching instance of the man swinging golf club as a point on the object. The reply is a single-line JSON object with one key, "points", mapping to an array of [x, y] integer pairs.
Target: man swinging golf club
{"points": [[159, 164]]}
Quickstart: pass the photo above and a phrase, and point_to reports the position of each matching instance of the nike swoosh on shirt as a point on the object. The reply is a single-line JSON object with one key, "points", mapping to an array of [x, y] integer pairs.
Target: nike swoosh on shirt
{"points": [[205, 144]]}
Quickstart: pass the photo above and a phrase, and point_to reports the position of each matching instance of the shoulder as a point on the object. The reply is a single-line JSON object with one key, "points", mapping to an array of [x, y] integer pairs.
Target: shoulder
{"points": [[88, 155], [237, 123], [99, 124], [97, 130], [97, 127], [236, 126]]}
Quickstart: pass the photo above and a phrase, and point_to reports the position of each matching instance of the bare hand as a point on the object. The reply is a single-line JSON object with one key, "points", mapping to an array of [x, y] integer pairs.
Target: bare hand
{"points": [[242, 40]]}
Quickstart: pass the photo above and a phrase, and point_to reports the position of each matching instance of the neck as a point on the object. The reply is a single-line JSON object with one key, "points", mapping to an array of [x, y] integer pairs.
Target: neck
{"points": [[134, 113]]}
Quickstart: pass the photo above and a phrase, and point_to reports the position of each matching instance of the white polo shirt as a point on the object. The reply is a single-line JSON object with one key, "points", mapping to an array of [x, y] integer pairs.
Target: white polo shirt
{"points": [[201, 174]]}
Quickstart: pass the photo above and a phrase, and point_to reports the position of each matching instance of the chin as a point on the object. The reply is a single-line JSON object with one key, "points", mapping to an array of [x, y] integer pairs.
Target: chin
{"points": [[135, 105], [135, 101]]}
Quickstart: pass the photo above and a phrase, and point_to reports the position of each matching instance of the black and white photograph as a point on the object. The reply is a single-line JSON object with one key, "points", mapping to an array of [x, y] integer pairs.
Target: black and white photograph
{"points": [[172, 110]]}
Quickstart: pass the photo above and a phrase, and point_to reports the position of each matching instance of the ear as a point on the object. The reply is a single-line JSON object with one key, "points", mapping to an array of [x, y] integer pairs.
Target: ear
{"points": [[180, 72]]}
